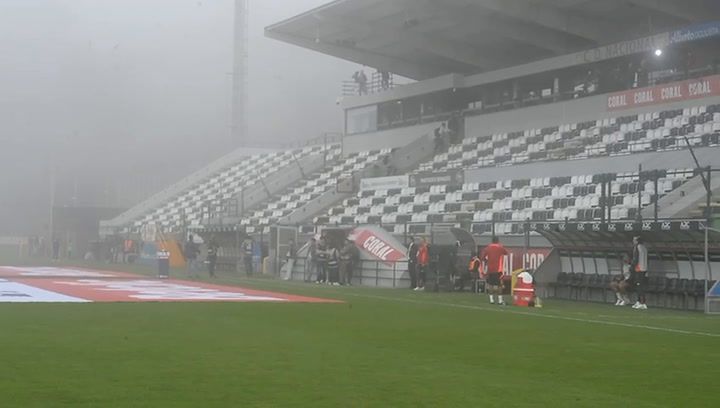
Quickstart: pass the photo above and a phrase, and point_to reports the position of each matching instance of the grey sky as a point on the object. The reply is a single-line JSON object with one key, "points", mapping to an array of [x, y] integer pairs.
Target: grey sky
{"points": [[101, 87]]}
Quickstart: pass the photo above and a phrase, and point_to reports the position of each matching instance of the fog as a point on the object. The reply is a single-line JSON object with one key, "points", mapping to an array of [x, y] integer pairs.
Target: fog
{"points": [[106, 101]]}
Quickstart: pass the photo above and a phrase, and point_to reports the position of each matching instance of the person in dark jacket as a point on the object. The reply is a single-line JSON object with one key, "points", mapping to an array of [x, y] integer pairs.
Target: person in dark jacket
{"points": [[212, 253], [191, 252], [248, 256], [333, 266], [348, 254], [311, 261], [321, 263], [412, 262]]}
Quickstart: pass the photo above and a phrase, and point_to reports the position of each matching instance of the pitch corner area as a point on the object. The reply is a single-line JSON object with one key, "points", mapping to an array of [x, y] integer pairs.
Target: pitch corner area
{"points": [[55, 284]]}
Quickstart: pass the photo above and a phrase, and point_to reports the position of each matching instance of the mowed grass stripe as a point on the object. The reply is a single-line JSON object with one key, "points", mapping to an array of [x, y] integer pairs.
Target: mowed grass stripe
{"points": [[365, 353], [382, 348], [562, 310]]}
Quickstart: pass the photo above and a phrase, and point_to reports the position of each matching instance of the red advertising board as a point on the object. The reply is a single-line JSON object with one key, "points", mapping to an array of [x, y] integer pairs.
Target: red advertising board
{"points": [[377, 247], [517, 259], [674, 92], [59, 272]]}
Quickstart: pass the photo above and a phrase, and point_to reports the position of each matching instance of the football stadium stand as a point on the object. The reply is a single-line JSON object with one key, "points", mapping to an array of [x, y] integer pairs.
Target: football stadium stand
{"points": [[605, 132], [194, 198], [311, 187], [538, 199]]}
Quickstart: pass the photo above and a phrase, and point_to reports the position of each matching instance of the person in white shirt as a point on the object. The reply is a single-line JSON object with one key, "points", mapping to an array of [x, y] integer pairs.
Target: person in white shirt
{"points": [[639, 271]]}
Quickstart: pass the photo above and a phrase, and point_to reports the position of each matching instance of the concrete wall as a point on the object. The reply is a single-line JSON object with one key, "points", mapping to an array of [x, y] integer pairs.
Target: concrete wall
{"points": [[387, 139], [682, 202], [441, 83], [679, 159], [409, 157], [554, 114]]}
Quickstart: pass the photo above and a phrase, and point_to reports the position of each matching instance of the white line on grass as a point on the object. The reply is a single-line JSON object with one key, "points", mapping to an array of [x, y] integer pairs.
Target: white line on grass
{"points": [[539, 314], [517, 312]]}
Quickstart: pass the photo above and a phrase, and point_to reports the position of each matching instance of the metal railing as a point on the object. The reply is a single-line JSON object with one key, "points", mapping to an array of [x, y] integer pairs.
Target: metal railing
{"points": [[375, 84], [365, 272]]}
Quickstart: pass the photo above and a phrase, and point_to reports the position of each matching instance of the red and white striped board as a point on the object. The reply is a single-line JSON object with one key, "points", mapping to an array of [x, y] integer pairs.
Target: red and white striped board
{"points": [[46, 284]]}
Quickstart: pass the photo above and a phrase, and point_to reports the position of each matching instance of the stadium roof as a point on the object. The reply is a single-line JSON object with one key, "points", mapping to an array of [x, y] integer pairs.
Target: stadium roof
{"points": [[421, 39]]}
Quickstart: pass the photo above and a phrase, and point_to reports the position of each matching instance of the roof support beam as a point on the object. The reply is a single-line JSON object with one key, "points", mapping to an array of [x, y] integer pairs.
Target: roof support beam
{"points": [[455, 51], [391, 64], [537, 37], [546, 17], [685, 9]]}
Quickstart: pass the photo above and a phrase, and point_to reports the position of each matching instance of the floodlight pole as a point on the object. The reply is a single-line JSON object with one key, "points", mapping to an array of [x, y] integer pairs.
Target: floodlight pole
{"points": [[239, 136], [708, 220], [708, 217]]}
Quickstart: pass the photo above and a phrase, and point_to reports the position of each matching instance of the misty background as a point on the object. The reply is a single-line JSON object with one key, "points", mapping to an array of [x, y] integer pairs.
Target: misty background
{"points": [[103, 103]]}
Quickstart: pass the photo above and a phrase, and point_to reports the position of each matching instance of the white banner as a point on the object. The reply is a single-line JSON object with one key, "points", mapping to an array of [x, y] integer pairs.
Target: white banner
{"points": [[13, 292], [385, 183]]}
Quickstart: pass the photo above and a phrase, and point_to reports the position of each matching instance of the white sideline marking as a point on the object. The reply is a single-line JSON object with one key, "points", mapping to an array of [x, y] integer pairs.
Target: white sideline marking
{"points": [[547, 316], [498, 309]]}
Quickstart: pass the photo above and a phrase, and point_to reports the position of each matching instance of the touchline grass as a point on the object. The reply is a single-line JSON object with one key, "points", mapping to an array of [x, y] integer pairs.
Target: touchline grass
{"points": [[381, 348]]}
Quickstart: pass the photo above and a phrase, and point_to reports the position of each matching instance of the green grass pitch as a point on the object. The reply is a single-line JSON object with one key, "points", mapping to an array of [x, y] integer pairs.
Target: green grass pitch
{"points": [[381, 348]]}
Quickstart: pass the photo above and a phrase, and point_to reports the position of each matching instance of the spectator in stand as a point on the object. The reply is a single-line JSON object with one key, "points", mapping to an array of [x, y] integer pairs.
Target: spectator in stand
{"points": [[449, 135], [590, 83], [423, 263], [412, 262], [191, 252], [361, 80], [385, 79], [638, 270], [248, 256], [438, 140], [363, 83]]}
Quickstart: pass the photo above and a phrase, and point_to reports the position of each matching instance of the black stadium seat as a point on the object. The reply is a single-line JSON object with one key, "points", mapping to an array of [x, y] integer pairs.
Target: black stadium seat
{"points": [[560, 282]]}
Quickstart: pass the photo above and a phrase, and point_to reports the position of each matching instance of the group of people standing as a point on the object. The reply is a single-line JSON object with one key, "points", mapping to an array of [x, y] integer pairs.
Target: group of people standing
{"points": [[361, 81], [331, 264], [488, 265], [418, 262], [634, 277], [191, 252]]}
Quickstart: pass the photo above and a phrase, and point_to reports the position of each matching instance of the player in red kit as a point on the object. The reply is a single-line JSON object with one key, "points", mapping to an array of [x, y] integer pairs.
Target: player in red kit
{"points": [[493, 257]]}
